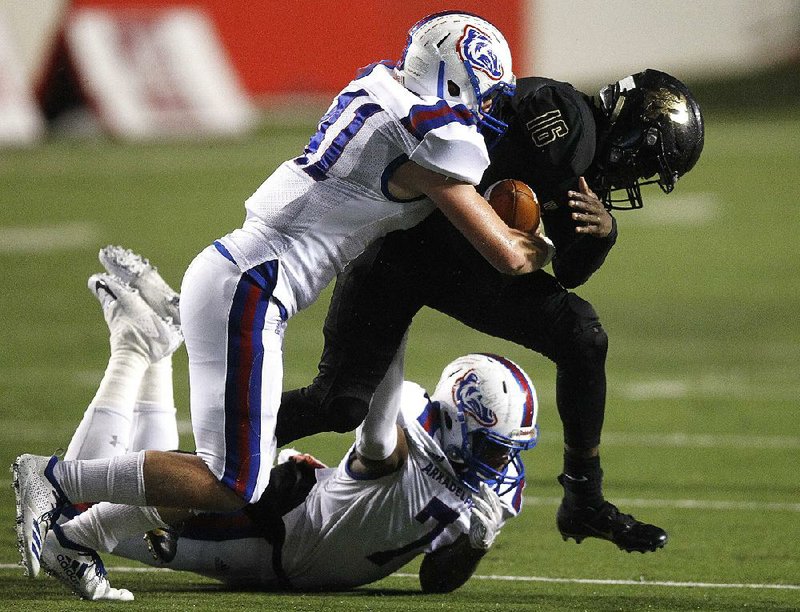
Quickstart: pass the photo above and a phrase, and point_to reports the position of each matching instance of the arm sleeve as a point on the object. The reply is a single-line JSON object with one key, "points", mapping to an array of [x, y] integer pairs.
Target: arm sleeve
{"points": [[577, 256], [376, 437]]}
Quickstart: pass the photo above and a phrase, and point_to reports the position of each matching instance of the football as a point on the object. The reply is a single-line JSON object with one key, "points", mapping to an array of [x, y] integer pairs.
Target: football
{"points": [[515, 203]]}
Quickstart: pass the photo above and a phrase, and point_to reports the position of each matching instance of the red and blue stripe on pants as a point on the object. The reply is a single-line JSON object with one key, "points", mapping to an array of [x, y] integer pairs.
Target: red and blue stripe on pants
{"points": [[243, 384]]}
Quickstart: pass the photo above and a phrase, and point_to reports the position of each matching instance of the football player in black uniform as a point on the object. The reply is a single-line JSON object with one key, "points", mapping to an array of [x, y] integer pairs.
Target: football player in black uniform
{"points": [[646, 128]]}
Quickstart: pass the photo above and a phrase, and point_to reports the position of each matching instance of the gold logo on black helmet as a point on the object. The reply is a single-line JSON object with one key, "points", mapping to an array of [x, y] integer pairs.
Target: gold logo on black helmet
{"points": [[666, 102]]}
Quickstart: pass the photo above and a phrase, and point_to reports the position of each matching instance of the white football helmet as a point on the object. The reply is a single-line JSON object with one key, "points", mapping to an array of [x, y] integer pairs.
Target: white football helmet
{"points": [[461, 58], [488, 409]]}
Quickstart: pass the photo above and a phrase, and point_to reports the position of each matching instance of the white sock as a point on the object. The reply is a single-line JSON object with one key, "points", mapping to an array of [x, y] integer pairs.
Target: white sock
{"points": [[105, 430], [154, 423], [104, 525], [156, 384], [103, 433], [117, 479], [154, 427]]}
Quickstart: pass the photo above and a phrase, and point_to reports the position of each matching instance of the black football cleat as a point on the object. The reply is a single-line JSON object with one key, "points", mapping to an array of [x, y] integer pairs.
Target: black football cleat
{"points": [[608, 523], [163, 544]]}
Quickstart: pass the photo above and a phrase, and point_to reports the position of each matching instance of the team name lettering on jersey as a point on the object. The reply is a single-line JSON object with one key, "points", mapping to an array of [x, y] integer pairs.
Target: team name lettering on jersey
{"points": [[447, 482], [545, 128]]}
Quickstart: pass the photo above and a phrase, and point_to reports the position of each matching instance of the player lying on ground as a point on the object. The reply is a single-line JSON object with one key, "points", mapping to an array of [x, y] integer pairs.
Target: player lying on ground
{"points": [[645, 128], [436, 476]]}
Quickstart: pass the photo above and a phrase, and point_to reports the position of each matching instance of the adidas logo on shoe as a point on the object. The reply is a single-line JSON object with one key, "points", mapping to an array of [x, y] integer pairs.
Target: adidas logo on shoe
{"points": [[72, 569]]}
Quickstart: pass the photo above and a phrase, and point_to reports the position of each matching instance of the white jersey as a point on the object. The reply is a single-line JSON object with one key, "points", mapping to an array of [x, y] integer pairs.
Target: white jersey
{"points": [[350, 530], [319, 211]]}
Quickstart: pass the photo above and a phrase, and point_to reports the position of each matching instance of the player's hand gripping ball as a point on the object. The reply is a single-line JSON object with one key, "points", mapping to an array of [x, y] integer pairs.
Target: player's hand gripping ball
{"points": [[515, 203]]}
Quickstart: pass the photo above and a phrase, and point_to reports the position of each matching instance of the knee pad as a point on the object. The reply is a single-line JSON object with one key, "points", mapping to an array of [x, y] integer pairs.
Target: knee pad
{"points": [[582, 339], [592, 342]]}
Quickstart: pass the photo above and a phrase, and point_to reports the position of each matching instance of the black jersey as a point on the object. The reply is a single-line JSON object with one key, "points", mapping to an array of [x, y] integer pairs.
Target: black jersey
{"points": [[550, 142]]}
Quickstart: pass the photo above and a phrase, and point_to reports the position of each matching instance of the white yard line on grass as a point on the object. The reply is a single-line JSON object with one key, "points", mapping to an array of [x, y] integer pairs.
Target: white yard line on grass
{"points": [[47, 238], [708, 386], [689, 209], [685, 504], [685, 440], [596, 581], [607, 582]]}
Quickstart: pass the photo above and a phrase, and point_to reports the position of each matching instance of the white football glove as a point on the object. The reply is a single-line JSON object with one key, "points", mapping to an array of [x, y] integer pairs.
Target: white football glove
{"points": [[486, 518]]}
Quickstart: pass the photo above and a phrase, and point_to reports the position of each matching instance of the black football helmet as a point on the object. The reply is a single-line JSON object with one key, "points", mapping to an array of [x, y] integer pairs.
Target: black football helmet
{"points": [[653, 133]]}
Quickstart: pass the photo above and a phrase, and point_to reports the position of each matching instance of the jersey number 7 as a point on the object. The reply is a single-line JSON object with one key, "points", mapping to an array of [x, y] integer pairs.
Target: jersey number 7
{"points": [[436, 510]]}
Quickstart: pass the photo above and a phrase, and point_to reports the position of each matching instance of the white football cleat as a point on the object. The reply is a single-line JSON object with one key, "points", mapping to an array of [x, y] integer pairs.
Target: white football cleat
{"points": [[39, 499], [79, 568], [140, 274], [134, 324]]}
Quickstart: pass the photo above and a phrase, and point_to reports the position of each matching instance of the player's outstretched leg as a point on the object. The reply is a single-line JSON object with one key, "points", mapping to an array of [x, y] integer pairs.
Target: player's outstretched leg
{"points": [[79, 568], [135, 322], [132, 322], [138, 336], [605, 521], [39, 499], [140, 274]]}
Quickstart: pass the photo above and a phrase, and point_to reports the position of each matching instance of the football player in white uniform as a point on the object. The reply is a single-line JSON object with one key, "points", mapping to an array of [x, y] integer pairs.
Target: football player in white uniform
{"points": [[397, 142], [434, 475]]}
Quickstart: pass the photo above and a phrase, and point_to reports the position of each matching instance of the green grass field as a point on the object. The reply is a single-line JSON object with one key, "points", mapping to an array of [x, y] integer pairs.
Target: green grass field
{"points": [[700, 298]]}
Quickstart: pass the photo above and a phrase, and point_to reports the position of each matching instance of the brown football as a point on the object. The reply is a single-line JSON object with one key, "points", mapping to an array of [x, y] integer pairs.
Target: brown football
{"points": [[515, 203]]}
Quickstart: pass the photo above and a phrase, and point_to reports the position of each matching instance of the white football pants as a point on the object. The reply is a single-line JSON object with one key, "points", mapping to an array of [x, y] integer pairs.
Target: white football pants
{"points": [[233, 329]]}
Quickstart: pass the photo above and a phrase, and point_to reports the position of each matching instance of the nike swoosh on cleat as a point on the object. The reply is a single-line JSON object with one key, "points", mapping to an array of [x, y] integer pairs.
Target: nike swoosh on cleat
{"points": [[100, 285]]}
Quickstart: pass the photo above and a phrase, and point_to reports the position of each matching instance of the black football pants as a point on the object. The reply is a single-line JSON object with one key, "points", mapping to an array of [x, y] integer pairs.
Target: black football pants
{"points": [[377, 296]]}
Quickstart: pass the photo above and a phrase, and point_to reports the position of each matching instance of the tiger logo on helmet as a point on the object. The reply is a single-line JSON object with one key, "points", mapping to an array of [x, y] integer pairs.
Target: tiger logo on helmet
{"points": [[467, 393], [488, 409], [475, 47]]}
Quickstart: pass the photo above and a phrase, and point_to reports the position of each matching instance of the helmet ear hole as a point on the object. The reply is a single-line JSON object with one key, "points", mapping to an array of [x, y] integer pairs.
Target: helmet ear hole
{"points": [[448, 421], [453, 89]]}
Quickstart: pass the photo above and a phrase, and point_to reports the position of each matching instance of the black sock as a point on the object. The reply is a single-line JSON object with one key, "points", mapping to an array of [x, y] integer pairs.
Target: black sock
{"points": [[582, 480]]}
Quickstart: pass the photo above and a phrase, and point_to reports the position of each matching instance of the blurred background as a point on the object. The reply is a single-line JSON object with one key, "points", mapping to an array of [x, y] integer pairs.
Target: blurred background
{"points": [[149, 68], [147, 123]]}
